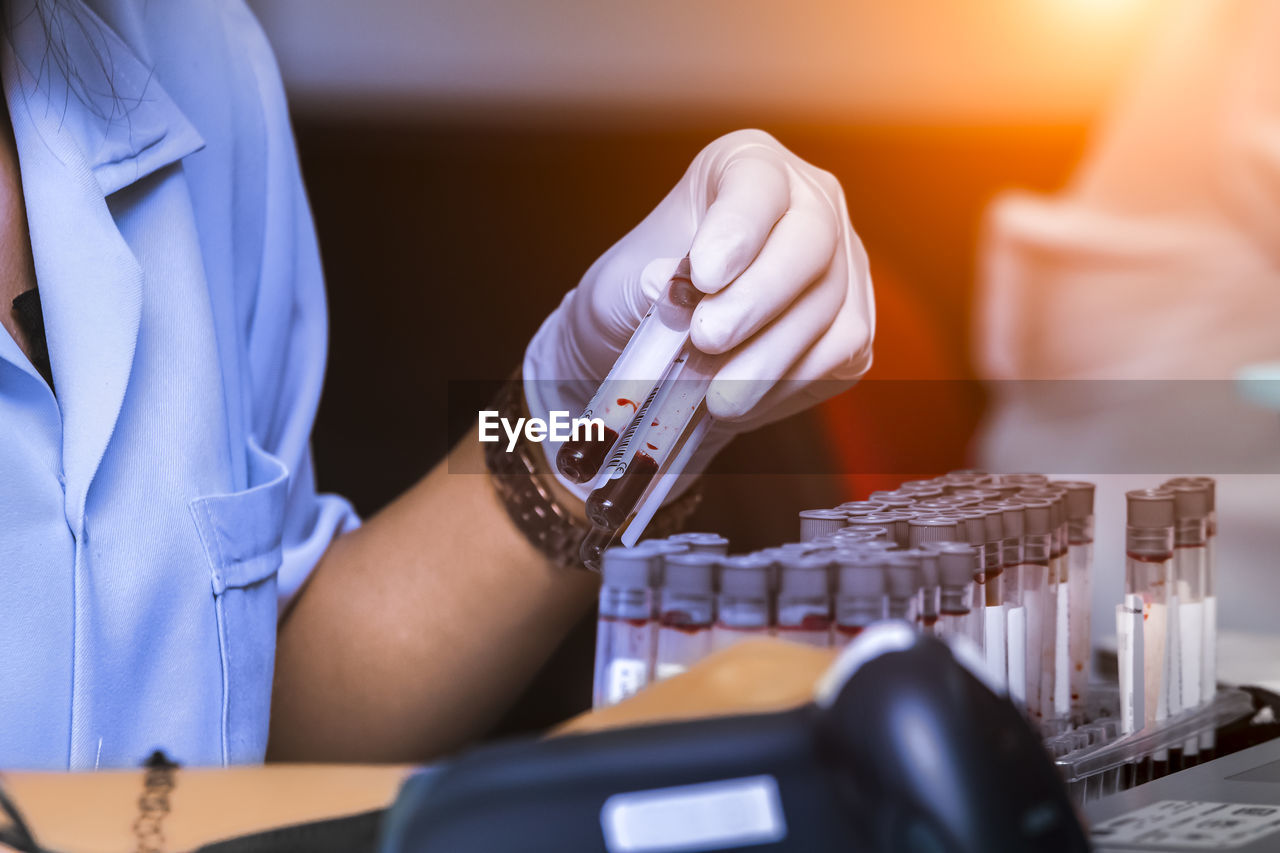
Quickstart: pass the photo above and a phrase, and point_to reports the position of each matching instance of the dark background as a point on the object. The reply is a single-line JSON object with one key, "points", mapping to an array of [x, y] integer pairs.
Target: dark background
{"points": [[447, 242]]}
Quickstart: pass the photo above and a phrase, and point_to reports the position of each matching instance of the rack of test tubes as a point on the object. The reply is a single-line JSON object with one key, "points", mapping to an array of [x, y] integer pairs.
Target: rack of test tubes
{"points": [[1004, 561]]}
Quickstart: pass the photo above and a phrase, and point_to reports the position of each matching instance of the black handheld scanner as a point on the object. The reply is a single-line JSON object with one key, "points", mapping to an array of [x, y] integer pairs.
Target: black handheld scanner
{"points": [[904, 748]]}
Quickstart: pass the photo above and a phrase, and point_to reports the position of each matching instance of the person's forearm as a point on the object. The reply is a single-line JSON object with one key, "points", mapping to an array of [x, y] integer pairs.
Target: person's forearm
{"points": [[418, 629], [95, 812]]}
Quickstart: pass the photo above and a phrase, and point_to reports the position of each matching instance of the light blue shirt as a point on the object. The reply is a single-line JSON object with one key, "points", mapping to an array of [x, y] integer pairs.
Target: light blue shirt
{"points": [[156, 513]]}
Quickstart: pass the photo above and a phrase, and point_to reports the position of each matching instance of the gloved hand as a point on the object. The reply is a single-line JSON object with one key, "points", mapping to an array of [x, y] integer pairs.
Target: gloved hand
{"points": [[789, 304]]}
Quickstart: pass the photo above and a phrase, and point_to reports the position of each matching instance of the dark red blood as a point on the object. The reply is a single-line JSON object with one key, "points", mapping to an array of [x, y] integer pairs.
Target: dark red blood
{"points": [[623, 401], [651, 446], [811, 622], [955, 612], [849, 630], [929, 620], [682, 621], [634, 623], [1149, 558], [580, 460], [609, 505]]}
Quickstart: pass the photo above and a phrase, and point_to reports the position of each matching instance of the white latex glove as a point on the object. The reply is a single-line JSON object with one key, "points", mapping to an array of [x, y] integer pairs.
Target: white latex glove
{"points": [[789, 301]]}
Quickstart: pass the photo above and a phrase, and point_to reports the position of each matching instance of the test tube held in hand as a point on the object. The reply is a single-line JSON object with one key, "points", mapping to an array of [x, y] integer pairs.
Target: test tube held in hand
{"points": [[678, 405], [646, 359]]}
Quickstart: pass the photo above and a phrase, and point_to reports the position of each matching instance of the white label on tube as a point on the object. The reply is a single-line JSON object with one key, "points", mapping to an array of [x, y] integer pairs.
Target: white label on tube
{"points": [[722, 815], [993, 646], [1173, 659], [1017, 648], [1191, 626], [625, 676], [1130, 658], [1155, 630], [1033, 601], [1209, 663]]}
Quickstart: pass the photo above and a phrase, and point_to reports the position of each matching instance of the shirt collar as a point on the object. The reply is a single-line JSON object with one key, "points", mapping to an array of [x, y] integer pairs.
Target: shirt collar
{"points": [[88, 85]]}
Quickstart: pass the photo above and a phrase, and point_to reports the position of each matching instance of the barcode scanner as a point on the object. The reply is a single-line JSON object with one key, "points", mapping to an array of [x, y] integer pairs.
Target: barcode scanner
{"points": [[904, 748]]}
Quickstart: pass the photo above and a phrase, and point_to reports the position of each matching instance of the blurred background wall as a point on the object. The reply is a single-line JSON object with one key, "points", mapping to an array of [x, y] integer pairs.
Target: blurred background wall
{"points": [[467, 162]]}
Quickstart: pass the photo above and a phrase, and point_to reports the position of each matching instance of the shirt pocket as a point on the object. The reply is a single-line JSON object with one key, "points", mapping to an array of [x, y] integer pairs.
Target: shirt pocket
{"points": [[242, 536]]}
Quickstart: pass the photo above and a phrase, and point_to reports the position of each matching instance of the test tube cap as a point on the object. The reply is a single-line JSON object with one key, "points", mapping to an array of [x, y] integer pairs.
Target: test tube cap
{"points": [[967, 474], [745, 576], [931, 529], [805, 577], [879, 546], [957, 564], [852, 508], [862, 579], [1026, 480], [1038, 515], [894, 500], [1150, 508], [902, 572], [1014, 519], [1190, 501], [690, 572], [1208, 482], [971, 527], [984, 495], [874, 519], [869, 530], [923, 492], [1055, 496], [820, 522], [707, 543], [1079, 498], [629, 568], [993, 523]]}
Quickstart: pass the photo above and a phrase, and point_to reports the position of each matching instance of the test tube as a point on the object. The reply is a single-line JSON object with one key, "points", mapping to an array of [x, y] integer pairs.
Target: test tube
{"points": [[957, 563], [1033, 587], [928, 603], [646, 359], [903, 582], [1209, 648], [983, 529], [625, 630], [676, 410], [742, 609], [1012, 522], [686, 610], [860, 594], [804, 599], [1149, 538], [820, 522], [1079, 505], [1058, 615], [1190, 557]]}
